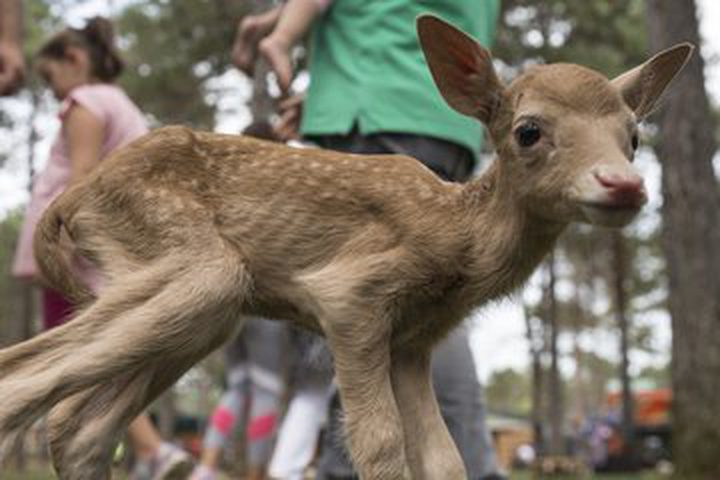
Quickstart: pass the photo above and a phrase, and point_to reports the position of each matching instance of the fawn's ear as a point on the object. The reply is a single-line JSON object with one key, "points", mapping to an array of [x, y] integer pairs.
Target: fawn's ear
{"points": [[461, 68], [643, 85]]}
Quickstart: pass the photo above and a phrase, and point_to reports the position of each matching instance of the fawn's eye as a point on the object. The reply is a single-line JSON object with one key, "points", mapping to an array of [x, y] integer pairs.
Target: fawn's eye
{"points": [[527, 134]]}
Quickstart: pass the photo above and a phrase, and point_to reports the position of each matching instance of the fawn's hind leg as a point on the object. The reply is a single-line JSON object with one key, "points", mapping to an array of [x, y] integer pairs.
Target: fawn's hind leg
{"points": [[191, 316], [132, 343], [38, 373], [84, 429]]}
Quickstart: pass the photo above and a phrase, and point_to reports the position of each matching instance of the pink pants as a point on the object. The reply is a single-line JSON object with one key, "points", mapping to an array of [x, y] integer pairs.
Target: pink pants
{"points": [[56, 308]]}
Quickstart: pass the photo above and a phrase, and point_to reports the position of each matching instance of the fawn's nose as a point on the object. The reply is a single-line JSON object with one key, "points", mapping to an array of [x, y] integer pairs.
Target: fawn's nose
{"points": [[626, 189]]}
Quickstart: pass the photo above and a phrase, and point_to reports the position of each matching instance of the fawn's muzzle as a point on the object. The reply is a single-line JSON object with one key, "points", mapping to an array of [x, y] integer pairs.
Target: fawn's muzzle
{"points": [[621, 190]]}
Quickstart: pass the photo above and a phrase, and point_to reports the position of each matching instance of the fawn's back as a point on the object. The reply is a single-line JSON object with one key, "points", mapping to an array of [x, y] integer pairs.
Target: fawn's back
{"points": [[288, 211]]}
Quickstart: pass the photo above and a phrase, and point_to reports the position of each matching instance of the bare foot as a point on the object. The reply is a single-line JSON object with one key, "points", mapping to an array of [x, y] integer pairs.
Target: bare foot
{"points": [[277, 53], [251, 30]]}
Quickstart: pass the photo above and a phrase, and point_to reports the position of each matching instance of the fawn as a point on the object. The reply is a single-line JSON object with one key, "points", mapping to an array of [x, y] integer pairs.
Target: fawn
{"points": [[191, 230]]}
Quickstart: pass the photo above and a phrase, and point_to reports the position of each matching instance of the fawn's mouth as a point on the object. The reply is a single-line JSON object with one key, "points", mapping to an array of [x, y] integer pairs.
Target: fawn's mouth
{"points": [[609, 214]]}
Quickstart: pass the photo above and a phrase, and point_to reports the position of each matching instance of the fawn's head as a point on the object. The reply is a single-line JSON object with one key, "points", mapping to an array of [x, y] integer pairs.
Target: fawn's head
{"points": [[565, 134]]}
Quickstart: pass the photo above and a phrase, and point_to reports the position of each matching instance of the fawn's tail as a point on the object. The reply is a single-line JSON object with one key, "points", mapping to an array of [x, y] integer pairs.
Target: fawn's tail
{"points": [[53, 261]]}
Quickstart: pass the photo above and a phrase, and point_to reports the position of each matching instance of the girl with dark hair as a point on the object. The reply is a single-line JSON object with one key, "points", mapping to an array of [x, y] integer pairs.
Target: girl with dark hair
{"points": [[96, 117]]}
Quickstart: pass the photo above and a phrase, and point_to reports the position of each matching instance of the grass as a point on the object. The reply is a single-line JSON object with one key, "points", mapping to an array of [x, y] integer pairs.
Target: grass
{"points": [[30, 474], [605, 476], [41, 473], [37, 473]]}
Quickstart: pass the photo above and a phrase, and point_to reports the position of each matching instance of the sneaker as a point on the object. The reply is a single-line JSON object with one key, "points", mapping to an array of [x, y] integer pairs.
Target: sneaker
{"points": [[170, 463], [202, 472], [494, 476]]}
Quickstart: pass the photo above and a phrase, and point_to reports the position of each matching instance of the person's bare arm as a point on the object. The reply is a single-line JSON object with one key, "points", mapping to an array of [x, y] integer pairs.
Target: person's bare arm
{"points": [[295, 20], [250, 31], [12, 65], [11, 20], [84, 134]]}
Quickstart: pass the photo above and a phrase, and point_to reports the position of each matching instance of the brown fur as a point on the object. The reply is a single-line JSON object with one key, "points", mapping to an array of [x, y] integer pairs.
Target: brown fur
{"points": [[190, 230]]}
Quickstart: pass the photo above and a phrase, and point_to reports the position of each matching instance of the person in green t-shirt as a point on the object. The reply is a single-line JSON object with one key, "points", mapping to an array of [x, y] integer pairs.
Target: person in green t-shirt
{"points": [[371, 92], [368, 72]]}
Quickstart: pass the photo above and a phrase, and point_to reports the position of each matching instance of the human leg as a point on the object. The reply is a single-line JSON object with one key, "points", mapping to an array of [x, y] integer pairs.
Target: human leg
{"points": [[254, 366], [299, 432], [267, 344], [155, 459], [334, 460], [230, 408], [459, 396], [311, 375], [429, 447]]}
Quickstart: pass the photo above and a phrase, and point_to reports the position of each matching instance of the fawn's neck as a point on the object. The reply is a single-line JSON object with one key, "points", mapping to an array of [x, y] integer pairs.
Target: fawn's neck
{"points": [[507, 242]]}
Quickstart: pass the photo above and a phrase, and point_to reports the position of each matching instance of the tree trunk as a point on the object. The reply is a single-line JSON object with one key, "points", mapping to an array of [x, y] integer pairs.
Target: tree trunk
{"points": [[534, 335], [262, 105], [580, 409], [691, 235], [620, 271], [555, 402]]}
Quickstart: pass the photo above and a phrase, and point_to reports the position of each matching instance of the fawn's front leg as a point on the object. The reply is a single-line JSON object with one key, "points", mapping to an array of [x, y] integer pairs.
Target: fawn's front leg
{"points": [[361, 349], [431, 452]]}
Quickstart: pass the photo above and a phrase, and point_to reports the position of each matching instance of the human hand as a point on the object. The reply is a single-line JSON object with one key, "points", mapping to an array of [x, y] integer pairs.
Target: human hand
{"points": [[12, 68], [251, 30], [287, 126]]}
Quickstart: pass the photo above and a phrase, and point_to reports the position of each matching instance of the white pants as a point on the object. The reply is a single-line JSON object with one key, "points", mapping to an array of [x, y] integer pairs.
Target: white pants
{"points": [[299, 432]]}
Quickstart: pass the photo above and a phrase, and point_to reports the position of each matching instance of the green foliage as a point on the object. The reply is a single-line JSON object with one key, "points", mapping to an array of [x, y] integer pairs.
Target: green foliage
{"points": [[603, 34], [508, 391], [9, 287], [590, 269], [40, 21], [172, 49], [589, 387], [649, 475], [656, 377]]}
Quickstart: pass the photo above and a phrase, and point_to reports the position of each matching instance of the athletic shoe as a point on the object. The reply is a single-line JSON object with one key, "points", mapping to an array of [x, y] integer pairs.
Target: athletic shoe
{"points": [[201, 472], [169, 463]]}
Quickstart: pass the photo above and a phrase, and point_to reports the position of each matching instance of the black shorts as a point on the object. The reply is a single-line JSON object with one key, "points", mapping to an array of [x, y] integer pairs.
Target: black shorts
{"points": [[449, 160]]}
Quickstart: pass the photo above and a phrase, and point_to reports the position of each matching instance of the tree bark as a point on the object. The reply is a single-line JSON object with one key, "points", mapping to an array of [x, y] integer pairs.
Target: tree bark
{"points": [[691, 235], [534, 335], [620, 271], [555, 403]]}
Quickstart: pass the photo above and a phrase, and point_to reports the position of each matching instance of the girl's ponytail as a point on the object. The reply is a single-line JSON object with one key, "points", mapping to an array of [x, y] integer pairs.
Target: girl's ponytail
{"points": [[97, 39], [100, 35]]}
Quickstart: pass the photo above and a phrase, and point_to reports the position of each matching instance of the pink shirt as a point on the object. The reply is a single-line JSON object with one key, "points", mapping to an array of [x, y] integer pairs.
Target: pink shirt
{"points": [[122, 122]]}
